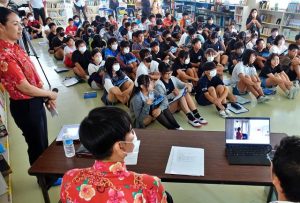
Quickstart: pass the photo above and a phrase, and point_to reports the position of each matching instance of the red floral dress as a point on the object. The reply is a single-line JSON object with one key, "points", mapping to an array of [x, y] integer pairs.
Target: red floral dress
{"points": [[15, 67], [110, 182]]}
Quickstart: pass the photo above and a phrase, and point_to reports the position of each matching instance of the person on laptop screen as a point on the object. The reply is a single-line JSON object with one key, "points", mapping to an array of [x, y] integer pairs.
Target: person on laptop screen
{"points": [[107, 133], [285, 170]]}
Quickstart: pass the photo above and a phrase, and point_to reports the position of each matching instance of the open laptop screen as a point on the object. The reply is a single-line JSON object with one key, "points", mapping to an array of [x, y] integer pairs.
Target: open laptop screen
{"points": [[247, 130]]}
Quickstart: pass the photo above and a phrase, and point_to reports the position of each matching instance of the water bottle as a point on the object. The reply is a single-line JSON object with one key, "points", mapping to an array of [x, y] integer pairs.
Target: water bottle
{"points": [[68, 146]]}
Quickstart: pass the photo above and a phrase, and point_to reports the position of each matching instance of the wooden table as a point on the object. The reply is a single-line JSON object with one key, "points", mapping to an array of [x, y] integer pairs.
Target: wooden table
{"points": [[153, 157]]}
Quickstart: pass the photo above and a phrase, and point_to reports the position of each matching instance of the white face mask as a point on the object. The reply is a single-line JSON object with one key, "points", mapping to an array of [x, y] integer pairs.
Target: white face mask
{"points": [[126, 50], [116, 67], [82, 49], [210, 59], [114, 47], [76, 21], [31, 18], [213, 73], [187, 61], [135, 145], [98, 60]]}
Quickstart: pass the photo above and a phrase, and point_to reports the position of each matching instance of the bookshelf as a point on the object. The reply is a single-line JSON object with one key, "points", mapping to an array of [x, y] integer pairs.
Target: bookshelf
{"points": [[93, 8], [240, 16], [287, 21], [60, 11], [7, 196]]}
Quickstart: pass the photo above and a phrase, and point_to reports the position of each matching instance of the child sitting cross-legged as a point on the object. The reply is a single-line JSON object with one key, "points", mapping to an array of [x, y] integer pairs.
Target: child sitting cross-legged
{"points": [[211, 90], [272, 75], [245, 79], [178, 95], [96, 70]]}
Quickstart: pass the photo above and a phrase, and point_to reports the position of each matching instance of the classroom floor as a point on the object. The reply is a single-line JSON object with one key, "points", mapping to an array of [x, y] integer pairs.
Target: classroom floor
{"points": [[73, 108]]}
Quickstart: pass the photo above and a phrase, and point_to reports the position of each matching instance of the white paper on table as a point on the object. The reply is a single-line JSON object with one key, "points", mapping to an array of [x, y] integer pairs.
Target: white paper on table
{"points": [[71, 130], [43, 43], [3, 185], [132, 158], [186, 161]]}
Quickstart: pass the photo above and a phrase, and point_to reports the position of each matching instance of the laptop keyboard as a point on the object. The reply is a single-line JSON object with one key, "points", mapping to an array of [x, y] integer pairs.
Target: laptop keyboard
{"points": [[247, 150]]}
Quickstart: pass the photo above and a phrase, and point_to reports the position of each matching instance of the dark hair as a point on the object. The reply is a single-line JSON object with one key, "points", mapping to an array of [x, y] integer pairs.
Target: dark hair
{"points": [[167, 14], [258, 41], [275, 29], [109, 16], [165, 33], [238, 45], [153, 44], [195, 41], [239, 128], [143, 53], [127, 24], [207, 66], [133, 24], [143, 19], [75, 16], [5, 12], [242, 35], [277, 39], [48, 18], [210, 18], [254, 35], [268, 62], [158, 15], [297, 37], [191, 31], [51, 25], [214, 35], [79, 42], [173, 19], [124, 44], [97, 18], [151, 16], [68, 38], [246, 56], [185, 14], [111, 41], [293, 46], [70, 19], [79, 32], [183, 54], [109, 62], [102, 128], [143, 80], [59, 29], [164, 67], [200, 19], [98, 42], [139, 32], [159, 21], [95, 51], [210, 50], [286, 164], [250, 14]]}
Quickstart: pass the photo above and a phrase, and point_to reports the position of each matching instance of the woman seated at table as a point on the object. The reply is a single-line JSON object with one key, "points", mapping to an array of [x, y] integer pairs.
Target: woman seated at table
{"points": [[107, 133]]}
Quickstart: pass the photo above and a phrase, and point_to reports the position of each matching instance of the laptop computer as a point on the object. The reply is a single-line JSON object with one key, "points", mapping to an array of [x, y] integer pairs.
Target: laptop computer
{"points": [[247, 140]]}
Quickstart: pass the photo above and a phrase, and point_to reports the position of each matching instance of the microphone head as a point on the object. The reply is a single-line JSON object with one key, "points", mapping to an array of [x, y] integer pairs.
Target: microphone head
{"points": [[54, 90]]}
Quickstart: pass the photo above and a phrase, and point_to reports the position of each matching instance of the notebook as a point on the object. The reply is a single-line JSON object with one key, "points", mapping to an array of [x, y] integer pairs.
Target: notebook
{"points": [[247, 140]]}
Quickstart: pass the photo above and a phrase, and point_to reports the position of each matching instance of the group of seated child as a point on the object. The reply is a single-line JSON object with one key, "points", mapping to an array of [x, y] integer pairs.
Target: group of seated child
{"points": [[154, 65]]}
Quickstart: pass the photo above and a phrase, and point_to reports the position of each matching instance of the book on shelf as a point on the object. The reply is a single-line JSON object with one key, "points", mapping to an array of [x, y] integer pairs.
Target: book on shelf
{"points": [[269, 18], [293, 8]]}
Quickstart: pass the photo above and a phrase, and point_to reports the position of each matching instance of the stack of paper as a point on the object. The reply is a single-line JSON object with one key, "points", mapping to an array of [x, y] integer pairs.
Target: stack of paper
{"points": [[131, 159], [61, 69], [237, 111], [242, 100], [186, 161], [71, 130], [70, 81]]}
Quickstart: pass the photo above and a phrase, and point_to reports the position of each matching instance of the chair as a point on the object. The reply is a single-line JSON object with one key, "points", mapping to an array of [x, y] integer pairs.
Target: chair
{"points": [[120, 12]]}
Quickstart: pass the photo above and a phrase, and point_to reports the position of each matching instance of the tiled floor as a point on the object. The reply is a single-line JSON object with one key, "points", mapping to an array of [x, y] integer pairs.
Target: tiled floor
{"points": [[72, 108]]}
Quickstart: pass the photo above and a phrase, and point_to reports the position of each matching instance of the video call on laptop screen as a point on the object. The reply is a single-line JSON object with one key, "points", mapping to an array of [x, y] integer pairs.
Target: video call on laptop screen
{"points": [[247, 130]]}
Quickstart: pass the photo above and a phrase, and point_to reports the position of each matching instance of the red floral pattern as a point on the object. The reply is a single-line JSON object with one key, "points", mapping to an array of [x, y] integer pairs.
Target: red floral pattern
{"points": [[110, 182], [19, 68]]}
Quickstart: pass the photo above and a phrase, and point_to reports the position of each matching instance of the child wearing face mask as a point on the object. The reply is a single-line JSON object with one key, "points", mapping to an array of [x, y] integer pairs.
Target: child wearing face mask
{"points": [[117, 85], [262, 53], [35, 28], [112, 48], [182, 68], [68, 51], [96, 70], [270, 39], [210, 56], [81, 59], [147, 105], [127, 60], [211, 90], [58, 43], [77, 21], [178, 95]]}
